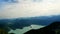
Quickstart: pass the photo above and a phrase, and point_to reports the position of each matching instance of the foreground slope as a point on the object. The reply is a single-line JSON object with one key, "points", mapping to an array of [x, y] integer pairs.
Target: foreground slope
{"points": [[53, 28]]}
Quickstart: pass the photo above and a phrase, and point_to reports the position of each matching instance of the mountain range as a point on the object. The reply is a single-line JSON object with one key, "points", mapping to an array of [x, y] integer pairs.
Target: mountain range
{"points": [[20, 23]]}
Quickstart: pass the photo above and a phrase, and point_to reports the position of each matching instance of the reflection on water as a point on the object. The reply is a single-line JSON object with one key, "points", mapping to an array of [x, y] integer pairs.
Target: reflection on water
{"points": [[25, 29]]}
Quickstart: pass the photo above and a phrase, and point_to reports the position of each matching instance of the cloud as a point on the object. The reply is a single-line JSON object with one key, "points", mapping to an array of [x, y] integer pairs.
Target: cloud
{"points": [[30, 9], [8, 0]]}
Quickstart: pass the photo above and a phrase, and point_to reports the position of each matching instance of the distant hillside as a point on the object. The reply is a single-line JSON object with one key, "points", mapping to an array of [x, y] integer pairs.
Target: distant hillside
{"points": [[19, 23]]}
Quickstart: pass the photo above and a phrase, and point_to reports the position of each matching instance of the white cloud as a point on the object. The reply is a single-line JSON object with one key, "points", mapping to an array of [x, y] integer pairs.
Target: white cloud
{"points": [[30, 9]]}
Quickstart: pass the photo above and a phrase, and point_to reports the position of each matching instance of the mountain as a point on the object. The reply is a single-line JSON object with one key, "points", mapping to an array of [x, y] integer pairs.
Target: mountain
{"points": [[53, 28], [19, 23]]}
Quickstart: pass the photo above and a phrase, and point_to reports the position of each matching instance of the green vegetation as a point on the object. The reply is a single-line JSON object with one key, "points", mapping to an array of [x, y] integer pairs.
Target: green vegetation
{"points": [[57, 31]]}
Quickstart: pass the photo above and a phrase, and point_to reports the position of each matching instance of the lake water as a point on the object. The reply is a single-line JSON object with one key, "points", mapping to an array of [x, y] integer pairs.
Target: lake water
{"points": [[25, 29]]}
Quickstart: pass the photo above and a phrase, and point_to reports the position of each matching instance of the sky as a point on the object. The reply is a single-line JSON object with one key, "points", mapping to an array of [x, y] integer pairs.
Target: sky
{"points": [[28, 8]]}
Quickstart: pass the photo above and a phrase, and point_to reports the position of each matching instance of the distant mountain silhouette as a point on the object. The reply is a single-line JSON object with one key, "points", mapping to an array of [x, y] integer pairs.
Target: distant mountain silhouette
{"points": [[20, 23], [53, 28]]}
